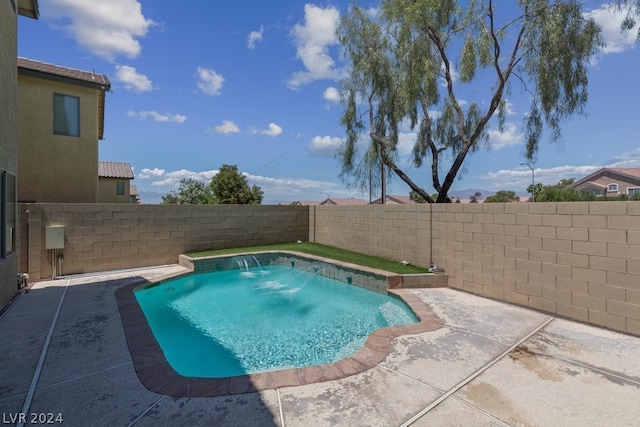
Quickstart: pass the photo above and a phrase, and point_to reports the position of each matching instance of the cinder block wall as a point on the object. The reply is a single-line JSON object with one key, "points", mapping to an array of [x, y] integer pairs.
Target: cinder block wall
{"points": [[399, 232], [577, 260], [101, 237]]}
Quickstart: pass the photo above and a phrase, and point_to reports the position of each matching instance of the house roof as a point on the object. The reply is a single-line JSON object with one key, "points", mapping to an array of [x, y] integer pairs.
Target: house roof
{"points": [[115, 170], [344, 202], [28, 8], [395, 199], [629, 174], [69, 75]]}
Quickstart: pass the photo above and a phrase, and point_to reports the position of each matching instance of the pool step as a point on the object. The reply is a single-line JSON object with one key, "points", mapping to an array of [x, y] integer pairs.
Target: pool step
{"points": [[430, 280]]}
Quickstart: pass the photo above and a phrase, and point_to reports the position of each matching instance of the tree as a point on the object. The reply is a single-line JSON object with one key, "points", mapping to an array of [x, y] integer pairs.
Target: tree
{"points": [[562, 192], [403, 64], [189, 192], [230, 187], [535, 191], [503, 196], [474, 197]]}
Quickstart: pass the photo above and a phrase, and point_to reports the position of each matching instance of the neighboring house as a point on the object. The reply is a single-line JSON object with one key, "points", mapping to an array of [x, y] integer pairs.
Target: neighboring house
{"points": [[610, 182], [392, 199], [9, 217], [134, 194], [60, 120], [114, 182], [344, 202], [302, 203]]}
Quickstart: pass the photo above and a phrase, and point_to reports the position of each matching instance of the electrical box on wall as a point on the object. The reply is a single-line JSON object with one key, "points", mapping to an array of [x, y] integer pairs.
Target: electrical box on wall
{"points": [[54, 237]]}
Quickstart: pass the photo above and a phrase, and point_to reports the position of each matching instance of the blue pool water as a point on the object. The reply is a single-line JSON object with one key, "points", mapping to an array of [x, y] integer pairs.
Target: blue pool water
{"points": [[229, 323]]}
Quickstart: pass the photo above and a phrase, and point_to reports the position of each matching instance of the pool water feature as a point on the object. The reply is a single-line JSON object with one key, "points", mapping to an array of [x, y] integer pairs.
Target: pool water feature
{"points": [[255, 319]]}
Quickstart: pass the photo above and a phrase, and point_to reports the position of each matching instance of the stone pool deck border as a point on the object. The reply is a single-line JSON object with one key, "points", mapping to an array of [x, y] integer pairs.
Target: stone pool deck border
{"points": [[157, 375]]}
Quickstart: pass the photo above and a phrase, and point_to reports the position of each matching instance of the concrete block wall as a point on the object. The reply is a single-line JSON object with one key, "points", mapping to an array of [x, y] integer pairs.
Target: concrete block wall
{"points": [[575, 260], [101, 237], [397, 232]]}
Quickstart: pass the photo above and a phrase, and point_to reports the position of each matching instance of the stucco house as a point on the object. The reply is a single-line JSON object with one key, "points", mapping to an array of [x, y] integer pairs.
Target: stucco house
{"points": [[610, 182], [114, 182], [60, 121], [9, 239]]}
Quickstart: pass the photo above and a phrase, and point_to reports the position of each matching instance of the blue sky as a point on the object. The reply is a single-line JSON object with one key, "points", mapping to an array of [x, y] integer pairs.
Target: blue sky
{"points": [[199, 84]]}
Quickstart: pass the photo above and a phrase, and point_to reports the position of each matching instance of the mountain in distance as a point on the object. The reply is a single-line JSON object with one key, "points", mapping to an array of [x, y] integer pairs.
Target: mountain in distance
{"points": [[467, 193]]}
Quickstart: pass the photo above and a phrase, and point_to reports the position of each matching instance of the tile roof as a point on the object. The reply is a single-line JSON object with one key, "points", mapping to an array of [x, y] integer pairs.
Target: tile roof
{"points": [[635, 172], [115, 170], [344, 202], [90, 77]]}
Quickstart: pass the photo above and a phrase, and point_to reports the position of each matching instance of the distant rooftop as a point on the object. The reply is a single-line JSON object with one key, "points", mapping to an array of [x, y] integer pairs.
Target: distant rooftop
{"points": [[115, 170]]}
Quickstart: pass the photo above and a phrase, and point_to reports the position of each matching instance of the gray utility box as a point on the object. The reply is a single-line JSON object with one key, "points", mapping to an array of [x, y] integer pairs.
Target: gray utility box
{"points": [[54, 237]]}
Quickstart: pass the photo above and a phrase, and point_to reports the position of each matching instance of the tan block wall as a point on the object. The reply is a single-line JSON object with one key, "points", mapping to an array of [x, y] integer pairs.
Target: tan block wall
{"points": [[101, 237], [575, 260], [400, 232]]}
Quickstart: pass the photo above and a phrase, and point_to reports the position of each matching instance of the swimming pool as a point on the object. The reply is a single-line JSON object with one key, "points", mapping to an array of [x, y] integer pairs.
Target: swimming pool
{"points": [[254, 319]]}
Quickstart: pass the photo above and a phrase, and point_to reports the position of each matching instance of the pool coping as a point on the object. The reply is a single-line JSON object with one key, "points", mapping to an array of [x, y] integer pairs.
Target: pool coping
{"points": [[157, 375]]}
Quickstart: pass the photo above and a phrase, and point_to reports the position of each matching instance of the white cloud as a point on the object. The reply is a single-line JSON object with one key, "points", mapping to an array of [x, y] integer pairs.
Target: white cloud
{"points": [[325, 145], [510, 136], [161, 177], [132, 79], [105, 28], [331, 94], [210, 81], [254, 37], [313, 40], [610, 19], [273, 130], [521, 176], [275, 189], [406, 142], [227, 127], [160, 118]]}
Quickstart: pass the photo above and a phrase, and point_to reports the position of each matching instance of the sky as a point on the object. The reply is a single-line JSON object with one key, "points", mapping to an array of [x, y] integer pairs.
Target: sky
{"points": [[195, 85]]}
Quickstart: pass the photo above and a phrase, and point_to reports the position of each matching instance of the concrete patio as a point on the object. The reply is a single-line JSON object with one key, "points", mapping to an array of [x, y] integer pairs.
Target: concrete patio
{"points": [[63, 351]]}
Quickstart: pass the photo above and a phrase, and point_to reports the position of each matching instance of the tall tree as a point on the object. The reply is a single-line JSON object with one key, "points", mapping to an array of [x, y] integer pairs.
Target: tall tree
{"points": [[189, 192], [411, 60], [230, 187]]}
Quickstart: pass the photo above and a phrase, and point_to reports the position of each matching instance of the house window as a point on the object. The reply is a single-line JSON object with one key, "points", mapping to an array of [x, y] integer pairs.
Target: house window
{"points": [[633, 190], [120, 188], [66, 115], [7, 213], [612, 188]]}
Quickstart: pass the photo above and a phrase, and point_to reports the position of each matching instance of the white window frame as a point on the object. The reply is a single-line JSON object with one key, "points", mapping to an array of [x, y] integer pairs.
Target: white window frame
{"points": [[633, 188], [612, 188]]}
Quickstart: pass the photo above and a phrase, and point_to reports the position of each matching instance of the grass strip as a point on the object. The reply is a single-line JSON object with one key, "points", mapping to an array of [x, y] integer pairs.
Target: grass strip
{"points": [[323, 251]]}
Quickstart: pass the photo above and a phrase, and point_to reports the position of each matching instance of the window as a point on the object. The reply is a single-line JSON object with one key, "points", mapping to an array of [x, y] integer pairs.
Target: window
{"points": [[7, 213], [66, 115], [633, 190], [120, 188], [612, 188]]}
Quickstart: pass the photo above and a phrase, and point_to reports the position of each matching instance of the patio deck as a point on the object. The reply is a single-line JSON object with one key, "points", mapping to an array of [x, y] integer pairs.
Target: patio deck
{"points": [[63, 351]]}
